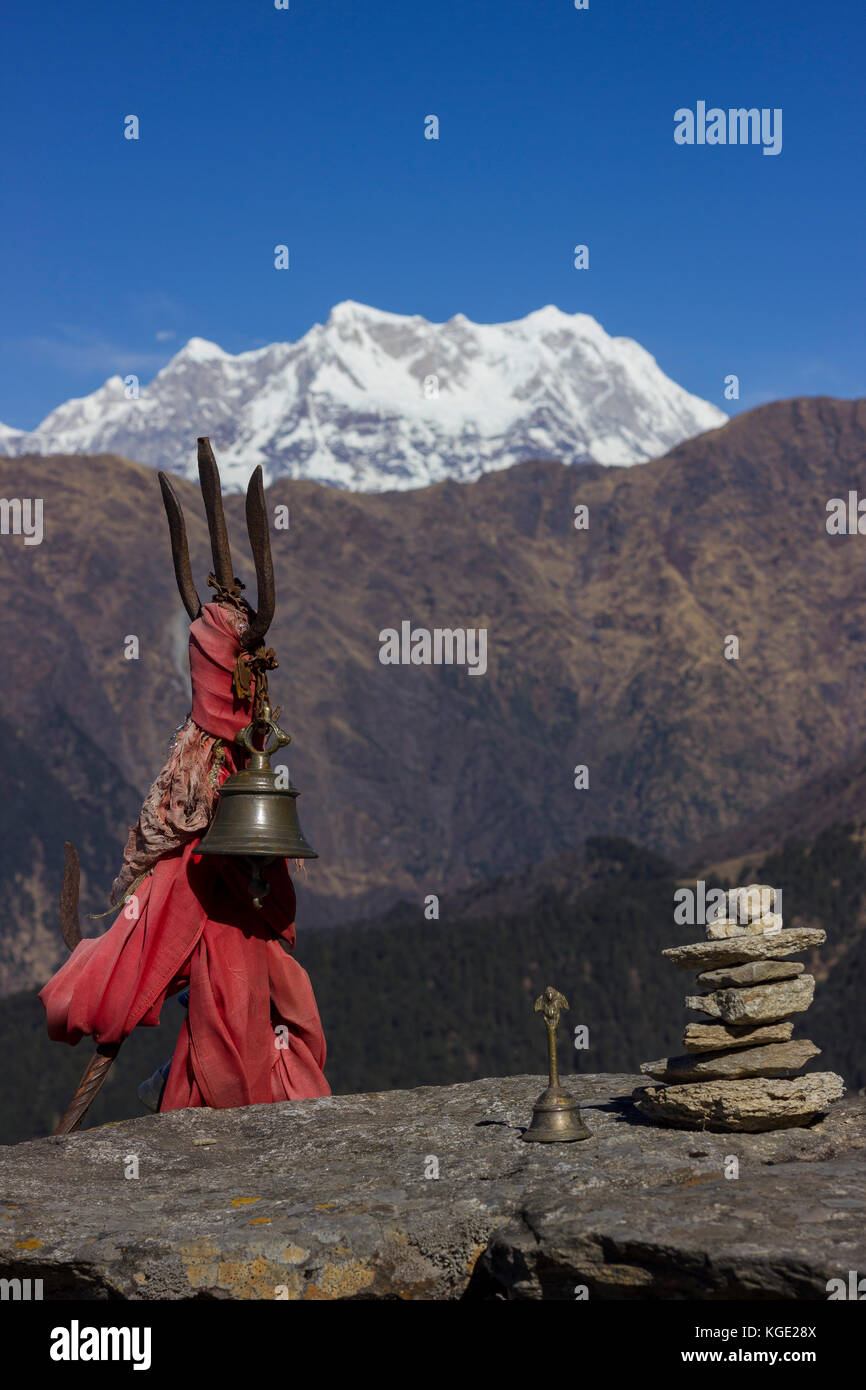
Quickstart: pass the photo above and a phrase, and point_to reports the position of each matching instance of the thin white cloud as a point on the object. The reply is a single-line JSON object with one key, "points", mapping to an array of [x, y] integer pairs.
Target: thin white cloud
{"points": [[69, 350]]}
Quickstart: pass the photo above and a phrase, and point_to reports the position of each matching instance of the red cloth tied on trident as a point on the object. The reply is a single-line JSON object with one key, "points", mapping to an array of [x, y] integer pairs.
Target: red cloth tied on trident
{"points": [[252, 1032]]}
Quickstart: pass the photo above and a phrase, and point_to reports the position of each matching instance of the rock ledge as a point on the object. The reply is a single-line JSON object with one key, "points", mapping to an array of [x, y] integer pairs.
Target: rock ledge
{"points": [[329, 1199]]}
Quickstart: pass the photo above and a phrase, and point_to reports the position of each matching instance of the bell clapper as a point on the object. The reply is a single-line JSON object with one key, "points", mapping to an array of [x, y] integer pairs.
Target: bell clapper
{"points": [[257, 885]]}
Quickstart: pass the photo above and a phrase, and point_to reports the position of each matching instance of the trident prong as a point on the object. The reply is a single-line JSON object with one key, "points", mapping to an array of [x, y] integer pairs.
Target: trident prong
{"points": [[260, 544]]}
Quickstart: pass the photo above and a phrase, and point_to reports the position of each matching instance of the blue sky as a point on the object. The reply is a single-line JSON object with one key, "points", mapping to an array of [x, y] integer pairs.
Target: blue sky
{"points": [[306, 127]]}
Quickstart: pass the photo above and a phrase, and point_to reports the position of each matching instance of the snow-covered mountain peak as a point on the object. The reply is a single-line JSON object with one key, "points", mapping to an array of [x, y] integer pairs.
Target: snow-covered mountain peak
{"points": [[552, 316], [371, 400], [199, 350]]}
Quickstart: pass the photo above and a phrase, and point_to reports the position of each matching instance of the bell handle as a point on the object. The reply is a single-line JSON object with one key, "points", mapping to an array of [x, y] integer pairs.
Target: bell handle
{"points": [[245, 737]]}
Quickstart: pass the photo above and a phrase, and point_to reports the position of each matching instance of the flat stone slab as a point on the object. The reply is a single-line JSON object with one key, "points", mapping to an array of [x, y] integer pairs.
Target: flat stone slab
{"points": [[337, 1199], [758, 1104], [775, 1059], [712, 1037], [757, 1003], [708, 955], [754, 972]]}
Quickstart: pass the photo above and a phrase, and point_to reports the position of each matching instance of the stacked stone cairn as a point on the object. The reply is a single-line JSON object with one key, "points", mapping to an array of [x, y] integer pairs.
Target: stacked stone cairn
{"points": [[739, 1070]]}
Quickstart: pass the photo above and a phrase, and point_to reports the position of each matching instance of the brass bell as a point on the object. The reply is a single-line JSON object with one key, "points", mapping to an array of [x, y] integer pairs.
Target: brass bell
{"points": [[556, 1114], [256, 818]]}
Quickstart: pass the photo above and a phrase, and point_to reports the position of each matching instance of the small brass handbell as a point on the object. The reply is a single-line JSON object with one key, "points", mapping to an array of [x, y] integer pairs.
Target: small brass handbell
{"points": [[556, 1114], [256, 818]]}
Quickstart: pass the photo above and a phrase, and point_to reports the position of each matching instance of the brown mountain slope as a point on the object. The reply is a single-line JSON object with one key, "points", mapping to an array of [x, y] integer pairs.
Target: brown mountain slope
{"points": [[605, 647], [835, 797]]}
